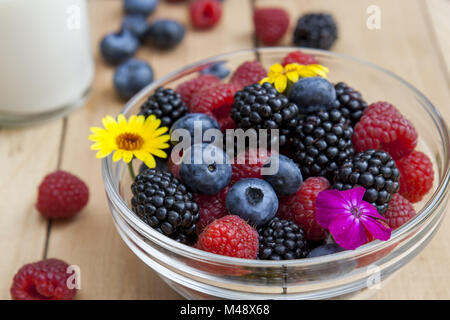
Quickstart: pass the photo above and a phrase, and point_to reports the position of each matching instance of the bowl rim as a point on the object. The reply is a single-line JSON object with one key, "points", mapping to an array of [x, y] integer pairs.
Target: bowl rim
{"points": [[193, 253]]}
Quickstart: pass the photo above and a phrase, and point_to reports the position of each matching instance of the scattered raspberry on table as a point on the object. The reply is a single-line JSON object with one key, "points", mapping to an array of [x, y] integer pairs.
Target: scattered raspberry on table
{"points": [[43, 280], [416, 175], [205, 13], [61, 195], [270, 24]]}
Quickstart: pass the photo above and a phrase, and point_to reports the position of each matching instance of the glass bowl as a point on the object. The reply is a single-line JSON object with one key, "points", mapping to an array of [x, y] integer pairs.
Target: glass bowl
{"points": [[196, 274]]}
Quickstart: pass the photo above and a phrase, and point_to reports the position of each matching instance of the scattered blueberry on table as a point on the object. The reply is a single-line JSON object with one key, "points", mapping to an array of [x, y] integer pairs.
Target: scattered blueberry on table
{"points": [[131, 76]]}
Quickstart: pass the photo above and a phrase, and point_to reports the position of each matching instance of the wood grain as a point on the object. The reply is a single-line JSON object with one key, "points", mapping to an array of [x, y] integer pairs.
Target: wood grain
{"points": [[109, 270], [412, 42], [26, 155]]}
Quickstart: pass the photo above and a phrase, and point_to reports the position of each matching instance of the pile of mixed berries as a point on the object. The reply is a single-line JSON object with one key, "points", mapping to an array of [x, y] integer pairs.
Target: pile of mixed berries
{"points": [[329, 138]]}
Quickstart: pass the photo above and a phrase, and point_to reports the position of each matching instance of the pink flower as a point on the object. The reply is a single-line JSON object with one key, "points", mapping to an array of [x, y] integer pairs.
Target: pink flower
{"points": [[352, 221]]}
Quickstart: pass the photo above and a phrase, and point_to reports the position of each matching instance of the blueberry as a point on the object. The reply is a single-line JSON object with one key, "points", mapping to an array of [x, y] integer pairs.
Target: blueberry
{"points": [[253, 200], [142, 7], [324, 250], [187, 122], [205, 169], [287, 179], [131, 76], [217, 69], [165, 33], [118, 47], [136, 24], [312, 94]]}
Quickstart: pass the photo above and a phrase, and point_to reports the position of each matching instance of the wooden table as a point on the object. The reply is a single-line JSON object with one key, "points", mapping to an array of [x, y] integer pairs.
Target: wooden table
{"points": [[412, 42]]}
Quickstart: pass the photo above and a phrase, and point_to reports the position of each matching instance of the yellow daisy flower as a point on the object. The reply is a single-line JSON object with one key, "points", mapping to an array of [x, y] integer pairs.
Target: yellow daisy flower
{"points": [[279, 76], [138, 137]]}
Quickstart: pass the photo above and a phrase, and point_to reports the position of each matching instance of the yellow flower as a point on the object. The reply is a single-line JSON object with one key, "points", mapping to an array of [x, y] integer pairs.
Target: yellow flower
{"points": [[279, 75], [139, 137]]}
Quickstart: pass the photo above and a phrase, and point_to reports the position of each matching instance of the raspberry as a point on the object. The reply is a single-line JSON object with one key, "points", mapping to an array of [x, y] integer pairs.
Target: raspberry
{"points": [[188, 88], [216, 101], [210, 208], [205, 13], [43, 280], [301, 207], [399, 212], [61, 195], [299, 57], [383, 127], [248, 164], [248, 73], [271, 24], [416, 175], [230, 236]]}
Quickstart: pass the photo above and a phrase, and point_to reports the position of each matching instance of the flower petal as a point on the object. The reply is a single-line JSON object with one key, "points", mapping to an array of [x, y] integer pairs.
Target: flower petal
{"points": [[329, 204], [276, 68], [348, 232], [378, 229], [280, 83]]}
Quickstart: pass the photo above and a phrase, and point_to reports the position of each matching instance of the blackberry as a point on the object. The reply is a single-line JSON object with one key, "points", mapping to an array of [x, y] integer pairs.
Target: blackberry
{"points": [[282, 240], [375, 171], [166, 105], [315, 30], [263, 107], [321, 143], [349, 102], [165, 204]]}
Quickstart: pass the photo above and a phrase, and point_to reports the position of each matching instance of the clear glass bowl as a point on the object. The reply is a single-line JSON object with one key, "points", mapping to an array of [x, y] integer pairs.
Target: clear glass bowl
{"points": [[197, 274]]}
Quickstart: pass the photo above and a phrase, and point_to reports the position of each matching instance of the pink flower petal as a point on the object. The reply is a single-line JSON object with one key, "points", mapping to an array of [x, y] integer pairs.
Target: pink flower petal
{"points": [[330, 203], [368, 209], [348, 232], [353, 196], [378, 229]]}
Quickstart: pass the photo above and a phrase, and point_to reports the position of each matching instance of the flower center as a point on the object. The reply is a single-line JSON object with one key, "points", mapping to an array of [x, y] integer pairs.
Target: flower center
{"points": [[129, 141], [355, 211]]}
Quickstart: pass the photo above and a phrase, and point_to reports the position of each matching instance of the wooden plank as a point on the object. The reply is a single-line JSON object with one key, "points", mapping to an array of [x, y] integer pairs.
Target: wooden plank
{"points": [[26, 155], [405, 45], [109, 270]]}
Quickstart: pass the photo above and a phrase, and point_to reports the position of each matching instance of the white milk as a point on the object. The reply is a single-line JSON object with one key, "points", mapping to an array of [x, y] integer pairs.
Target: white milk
{"points": [[46, 60]]}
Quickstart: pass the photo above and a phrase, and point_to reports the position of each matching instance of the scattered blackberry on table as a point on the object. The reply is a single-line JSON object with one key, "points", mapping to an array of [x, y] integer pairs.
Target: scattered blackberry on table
{"points": [[375, 171], [165, 204], [349, 102], [263, 107], [282, 240], [321, 143], [315, 30], [166, 105]]}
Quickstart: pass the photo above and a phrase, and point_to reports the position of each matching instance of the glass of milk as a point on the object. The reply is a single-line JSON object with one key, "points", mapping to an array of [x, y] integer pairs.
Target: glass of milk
{"points": [[46, 61]]}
